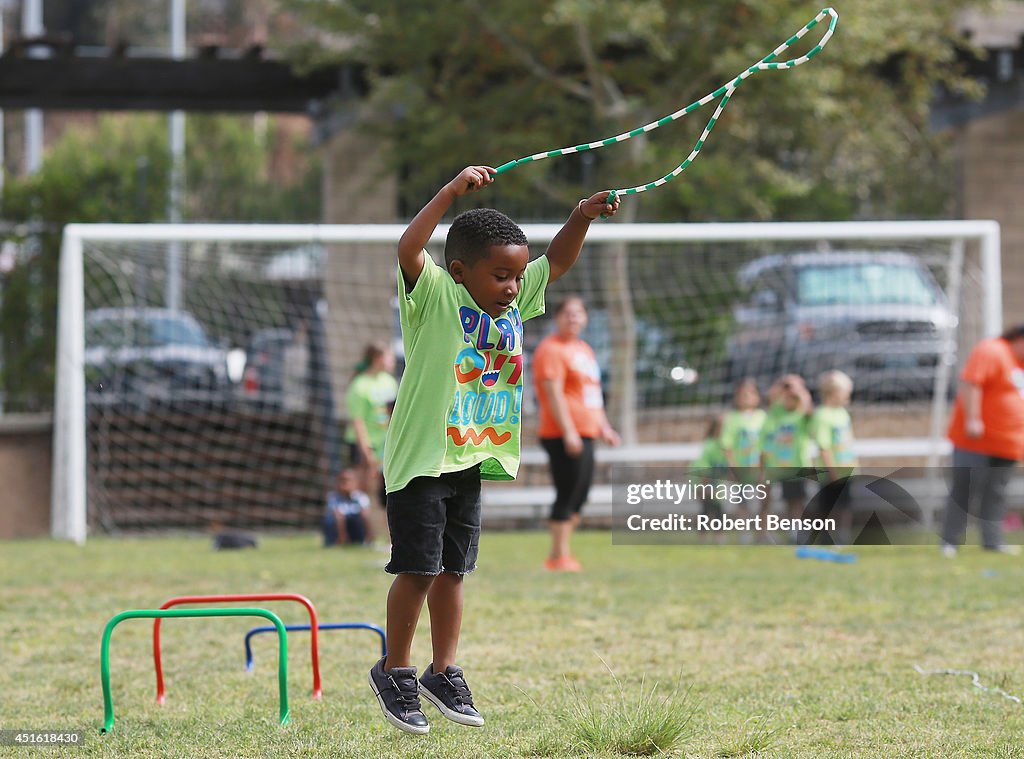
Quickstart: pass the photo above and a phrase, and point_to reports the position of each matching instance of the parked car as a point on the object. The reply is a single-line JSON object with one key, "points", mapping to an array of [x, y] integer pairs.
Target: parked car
{"points": [[276, 371], [146, 356], [878, 316], [662, 372], [262, 379]]}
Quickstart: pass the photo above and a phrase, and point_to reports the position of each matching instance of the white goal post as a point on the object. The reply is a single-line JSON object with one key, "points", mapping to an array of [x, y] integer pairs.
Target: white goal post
{"points": [[71, 486]]}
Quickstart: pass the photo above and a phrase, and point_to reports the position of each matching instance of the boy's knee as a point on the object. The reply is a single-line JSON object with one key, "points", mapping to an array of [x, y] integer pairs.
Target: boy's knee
{"points": [[417, 581]]}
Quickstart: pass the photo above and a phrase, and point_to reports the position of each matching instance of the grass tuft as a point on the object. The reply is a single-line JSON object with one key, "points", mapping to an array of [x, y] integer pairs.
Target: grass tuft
{"points": [[758, 736], [647, 723]]}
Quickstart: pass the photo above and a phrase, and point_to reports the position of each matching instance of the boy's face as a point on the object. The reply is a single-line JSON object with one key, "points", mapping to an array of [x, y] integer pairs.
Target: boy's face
{"points": [[837, 396], [1017, 348], [790, 395], [346, 482], [747, 397], [493, 281], [572, 318]]}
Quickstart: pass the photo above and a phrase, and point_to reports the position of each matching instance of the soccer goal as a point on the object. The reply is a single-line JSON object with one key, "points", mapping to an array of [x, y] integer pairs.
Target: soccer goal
{"points": [[202, 369]]}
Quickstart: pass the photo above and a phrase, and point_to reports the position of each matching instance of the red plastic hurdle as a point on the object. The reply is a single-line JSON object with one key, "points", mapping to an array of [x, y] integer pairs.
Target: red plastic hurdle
{"points": [[246, 597]]}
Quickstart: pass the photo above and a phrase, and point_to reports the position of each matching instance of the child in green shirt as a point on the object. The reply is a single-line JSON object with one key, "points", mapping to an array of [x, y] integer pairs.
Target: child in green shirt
{"points": [[456, 421], [832, 431], [712, 467], [741, 429], [784, 439], [741, 434]]}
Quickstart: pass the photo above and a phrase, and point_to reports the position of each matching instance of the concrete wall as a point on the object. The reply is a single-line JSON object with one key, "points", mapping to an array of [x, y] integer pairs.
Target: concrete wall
{"points": [[26, 462], [992, 187]]}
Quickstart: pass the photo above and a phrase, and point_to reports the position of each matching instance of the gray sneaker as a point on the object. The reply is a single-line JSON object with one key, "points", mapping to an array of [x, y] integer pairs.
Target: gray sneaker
{"points": [[398, 697], [449, 692]]}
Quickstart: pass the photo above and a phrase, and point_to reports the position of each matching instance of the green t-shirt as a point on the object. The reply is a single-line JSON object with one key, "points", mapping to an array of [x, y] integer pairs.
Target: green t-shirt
{"points": [[784, 439], [460, 401], [741, 434], [712, 462], [832, 430], [368, 398]]}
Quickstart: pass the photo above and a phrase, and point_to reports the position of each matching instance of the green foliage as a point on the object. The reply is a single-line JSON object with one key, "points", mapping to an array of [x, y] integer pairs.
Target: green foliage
{"points": [[118, 170], [488, 82], [228, 174]]}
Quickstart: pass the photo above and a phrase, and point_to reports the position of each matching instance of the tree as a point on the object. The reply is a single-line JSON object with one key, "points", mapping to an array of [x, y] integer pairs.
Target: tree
{"points": [[845, 136], [117, 170]]}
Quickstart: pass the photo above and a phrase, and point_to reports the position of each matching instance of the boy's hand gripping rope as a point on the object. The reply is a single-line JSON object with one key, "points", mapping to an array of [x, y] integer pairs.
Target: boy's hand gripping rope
{"points": [[725, 92]]}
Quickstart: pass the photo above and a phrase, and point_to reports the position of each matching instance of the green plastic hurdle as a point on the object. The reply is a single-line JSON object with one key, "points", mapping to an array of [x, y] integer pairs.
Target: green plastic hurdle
{"points": [[282, 650]]}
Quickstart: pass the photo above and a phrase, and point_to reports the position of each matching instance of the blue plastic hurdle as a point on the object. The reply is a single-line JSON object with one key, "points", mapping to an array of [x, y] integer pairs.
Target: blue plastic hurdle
{"points": [[322, 626]]}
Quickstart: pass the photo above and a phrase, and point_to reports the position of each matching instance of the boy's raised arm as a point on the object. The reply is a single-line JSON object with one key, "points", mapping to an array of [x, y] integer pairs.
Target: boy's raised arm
{"points": [[416, 235], [565, 246]]}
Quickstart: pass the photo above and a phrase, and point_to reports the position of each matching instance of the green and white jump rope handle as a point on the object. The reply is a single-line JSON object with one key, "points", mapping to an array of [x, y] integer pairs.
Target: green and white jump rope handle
{"points": [[725, 92]]}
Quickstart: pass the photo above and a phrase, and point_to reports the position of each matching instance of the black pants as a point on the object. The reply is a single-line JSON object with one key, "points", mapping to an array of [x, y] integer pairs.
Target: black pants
{"points": [[977, 477], [572, 476]]}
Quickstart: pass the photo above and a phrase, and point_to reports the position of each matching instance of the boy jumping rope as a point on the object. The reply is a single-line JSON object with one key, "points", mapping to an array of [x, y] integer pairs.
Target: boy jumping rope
{"points": [[456, 421]]}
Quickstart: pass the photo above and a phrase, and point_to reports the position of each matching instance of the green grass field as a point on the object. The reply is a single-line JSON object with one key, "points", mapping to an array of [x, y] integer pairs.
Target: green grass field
{"points": [[763, 653]]}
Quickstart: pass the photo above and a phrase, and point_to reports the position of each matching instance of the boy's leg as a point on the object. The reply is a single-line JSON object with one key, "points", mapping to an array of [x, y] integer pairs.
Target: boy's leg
{"points": [[416, 518], [355, 529], [444, 602], [329, 528], [794, 492], [405, 602], [834, 501], [392, 679], [443, 682]]}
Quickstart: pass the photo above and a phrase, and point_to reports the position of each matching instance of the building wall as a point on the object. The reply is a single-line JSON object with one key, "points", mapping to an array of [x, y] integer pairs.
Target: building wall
{"points": [[992, 187], [25, 471]]}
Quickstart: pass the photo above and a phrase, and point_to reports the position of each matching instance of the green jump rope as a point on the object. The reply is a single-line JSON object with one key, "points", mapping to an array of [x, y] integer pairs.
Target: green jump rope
{"points": [[724, 92]]}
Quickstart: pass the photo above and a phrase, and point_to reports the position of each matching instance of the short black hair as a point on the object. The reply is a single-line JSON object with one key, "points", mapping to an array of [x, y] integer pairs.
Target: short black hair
{"points": [[1016, 332], [564, 303], [474, 231]]}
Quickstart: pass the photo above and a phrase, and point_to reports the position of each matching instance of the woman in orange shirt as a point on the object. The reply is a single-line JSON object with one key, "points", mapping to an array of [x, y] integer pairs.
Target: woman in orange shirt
{"points": [[987, 432], [568, 385]]}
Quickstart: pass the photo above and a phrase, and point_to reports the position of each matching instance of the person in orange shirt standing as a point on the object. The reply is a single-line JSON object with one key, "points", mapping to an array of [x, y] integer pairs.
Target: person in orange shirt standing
{"points": [[987, 432], [568, 385]]}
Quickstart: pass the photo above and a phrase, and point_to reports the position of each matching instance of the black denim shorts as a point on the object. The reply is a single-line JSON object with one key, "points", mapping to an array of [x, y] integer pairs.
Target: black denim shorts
{"points": [[435, 524]]}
